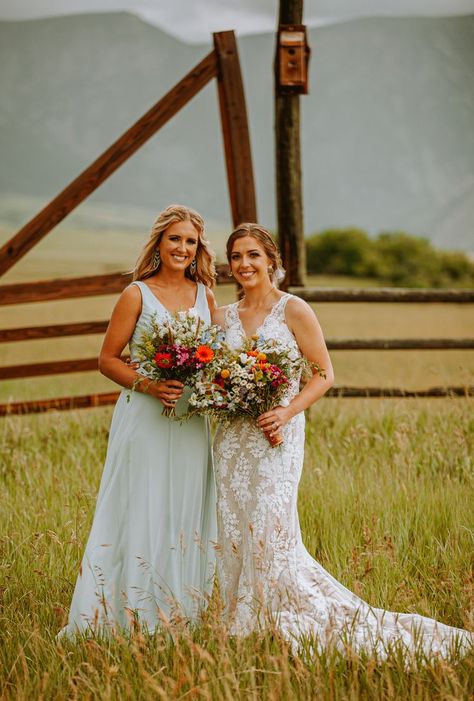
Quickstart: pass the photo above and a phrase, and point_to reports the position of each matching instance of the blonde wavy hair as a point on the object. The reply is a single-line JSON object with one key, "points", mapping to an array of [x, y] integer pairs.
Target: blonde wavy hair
{"points": [[205, 269], [265, 238]]}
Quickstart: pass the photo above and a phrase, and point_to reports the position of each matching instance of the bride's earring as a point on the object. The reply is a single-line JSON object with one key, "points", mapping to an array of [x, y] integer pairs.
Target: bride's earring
{"points": [[230, 273], [192, 267], [156, 260]]}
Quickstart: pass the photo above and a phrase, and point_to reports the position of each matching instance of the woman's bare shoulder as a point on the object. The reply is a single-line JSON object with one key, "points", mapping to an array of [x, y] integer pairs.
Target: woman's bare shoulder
{"points": [[297, 308], [211, 300]]}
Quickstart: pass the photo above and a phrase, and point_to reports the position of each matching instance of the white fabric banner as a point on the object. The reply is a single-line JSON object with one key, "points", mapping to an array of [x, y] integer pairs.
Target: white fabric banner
{"points": [[192, 21]]}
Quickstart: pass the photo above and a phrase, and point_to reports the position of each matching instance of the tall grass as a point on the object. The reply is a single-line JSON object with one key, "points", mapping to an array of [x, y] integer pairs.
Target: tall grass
{"points": [[386, 505]]}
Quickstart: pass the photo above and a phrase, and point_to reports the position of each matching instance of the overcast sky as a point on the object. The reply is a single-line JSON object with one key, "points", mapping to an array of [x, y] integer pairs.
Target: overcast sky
{"points": [[192, 21]]}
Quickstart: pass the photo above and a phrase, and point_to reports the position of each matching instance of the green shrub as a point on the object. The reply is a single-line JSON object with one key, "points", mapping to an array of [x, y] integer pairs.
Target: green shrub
{"points": [[393, 258], [341, 252]]}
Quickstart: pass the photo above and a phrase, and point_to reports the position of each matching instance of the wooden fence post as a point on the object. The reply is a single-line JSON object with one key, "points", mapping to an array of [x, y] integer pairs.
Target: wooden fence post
{"points": [[288, 167], [235, 130]]}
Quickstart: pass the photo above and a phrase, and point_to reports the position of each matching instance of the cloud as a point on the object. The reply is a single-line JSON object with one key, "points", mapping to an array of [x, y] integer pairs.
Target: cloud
{"points": [[192, 21]]}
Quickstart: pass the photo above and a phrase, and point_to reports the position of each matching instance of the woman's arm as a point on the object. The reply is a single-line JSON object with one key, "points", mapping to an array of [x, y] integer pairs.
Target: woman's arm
{"points": [[218, 316], [211, 300], [120, 329], [303, 323]]}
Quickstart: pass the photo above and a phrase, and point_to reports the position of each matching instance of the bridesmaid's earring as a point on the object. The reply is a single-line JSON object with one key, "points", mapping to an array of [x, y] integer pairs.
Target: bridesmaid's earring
{"points": [[270, 270], [156, 261], [192, 267]]}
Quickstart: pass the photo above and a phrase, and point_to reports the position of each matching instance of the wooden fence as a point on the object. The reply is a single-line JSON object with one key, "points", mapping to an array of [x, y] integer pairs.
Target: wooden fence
{"points": [[107, 284], [223, 64]]}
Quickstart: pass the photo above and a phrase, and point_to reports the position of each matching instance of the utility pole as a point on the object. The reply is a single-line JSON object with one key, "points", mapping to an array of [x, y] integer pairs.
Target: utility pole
{"points": [[291, 62]]}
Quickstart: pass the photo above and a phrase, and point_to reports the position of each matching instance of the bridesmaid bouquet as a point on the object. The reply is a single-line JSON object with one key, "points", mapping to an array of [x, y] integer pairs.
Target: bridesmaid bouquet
{"points": [[179, 348], [249, 382]]}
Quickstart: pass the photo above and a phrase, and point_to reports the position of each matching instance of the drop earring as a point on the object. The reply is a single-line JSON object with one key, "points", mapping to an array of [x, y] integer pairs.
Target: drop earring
{"points": [[156, 261], [230, 273], [270, 270], [192, 267]]}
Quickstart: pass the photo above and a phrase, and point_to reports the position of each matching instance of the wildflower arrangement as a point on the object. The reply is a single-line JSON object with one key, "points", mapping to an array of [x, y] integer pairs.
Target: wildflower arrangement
{"points": [[179, 348], [249, 382]]}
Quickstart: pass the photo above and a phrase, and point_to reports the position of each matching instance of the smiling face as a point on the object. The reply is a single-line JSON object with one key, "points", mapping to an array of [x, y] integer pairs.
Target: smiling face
{"points": [[249, 262], [178, 245]]}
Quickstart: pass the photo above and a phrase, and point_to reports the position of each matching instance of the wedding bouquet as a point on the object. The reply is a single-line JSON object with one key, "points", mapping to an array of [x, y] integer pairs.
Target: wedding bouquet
{"points": [[178, 348], [249, 382]]}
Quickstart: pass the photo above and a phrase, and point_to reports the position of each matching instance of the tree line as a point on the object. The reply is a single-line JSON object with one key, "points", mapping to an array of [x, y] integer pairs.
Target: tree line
{"points": [[392, 258]]}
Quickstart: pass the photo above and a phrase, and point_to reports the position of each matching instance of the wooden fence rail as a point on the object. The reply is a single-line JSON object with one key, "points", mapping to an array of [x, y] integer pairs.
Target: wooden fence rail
{"points": [[87, 328], [34, 333], [383, 295], [108, 398], [72, 288], [113, 283]]}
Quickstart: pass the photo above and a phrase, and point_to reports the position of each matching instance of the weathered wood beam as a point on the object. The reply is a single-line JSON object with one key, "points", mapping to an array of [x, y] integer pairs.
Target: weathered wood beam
{"points": [[90, 179], [54, 367], [383, 294], [37, 406], [288, 166], [378, 392], [70, 288], [235, 130], [401, 344], [33, 333], [63, 288], [95, 400]]}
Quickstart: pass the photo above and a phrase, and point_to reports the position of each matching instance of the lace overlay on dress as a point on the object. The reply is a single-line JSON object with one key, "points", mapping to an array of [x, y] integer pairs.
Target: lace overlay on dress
{"points": [[265, 572]]}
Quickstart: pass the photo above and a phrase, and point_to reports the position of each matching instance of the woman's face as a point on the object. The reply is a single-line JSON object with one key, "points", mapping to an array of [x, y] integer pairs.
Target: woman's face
{"points": [[178, 245], [249, 262]]}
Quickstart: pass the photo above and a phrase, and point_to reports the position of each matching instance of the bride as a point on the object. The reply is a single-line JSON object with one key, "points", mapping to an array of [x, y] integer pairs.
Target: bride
{"points": [[265, 572]]}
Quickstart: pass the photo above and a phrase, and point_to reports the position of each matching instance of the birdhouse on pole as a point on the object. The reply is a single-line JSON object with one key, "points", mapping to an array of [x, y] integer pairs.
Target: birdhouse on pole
{"points": [[293, 59]]}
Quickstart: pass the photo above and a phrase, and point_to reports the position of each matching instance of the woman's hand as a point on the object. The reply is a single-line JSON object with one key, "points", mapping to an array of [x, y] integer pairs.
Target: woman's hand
{"points": [[272, 421], [167, 391]]}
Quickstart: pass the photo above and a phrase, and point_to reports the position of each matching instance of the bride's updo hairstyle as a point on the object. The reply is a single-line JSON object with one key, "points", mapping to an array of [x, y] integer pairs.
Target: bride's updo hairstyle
{"points": [[205, 270], [265, 239]]}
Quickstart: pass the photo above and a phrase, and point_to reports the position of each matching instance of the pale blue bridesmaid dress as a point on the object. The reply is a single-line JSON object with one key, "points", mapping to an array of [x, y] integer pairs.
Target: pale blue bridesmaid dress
{"points": [[150, 553]]}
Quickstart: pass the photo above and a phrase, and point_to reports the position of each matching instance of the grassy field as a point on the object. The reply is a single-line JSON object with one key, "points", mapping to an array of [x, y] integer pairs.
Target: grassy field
{"points": [[386, 505]]}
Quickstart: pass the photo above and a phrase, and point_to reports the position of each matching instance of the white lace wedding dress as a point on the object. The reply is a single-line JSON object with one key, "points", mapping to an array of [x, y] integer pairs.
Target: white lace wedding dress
{"points": [[265, 572]]}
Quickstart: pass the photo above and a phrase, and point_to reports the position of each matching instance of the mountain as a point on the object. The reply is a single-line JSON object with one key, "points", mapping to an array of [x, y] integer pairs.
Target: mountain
{"points": [[387, 133]]}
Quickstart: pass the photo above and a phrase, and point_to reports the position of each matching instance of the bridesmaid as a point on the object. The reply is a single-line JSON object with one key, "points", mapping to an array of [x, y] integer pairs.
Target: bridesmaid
{"points": [[149, 554]]}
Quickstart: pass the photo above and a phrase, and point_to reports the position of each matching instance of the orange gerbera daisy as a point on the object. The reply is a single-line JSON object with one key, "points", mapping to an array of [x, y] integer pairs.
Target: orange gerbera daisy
{"points": [[204, 354]]}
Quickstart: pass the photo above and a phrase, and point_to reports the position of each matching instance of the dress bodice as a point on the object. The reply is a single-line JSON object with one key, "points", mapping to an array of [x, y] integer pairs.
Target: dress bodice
{"points": [[272, 328], [151, 306]]}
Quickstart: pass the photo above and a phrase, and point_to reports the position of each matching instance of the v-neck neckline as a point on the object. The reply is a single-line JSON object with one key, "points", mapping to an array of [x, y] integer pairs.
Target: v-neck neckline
{"points": [[260, 326], [177, 310]]}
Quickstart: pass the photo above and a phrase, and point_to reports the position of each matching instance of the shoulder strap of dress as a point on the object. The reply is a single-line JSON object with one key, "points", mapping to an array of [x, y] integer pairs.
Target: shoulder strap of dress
{"points": [[231, 315], [201, 302], [279, 307], [201, 293], [146, 293]]}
